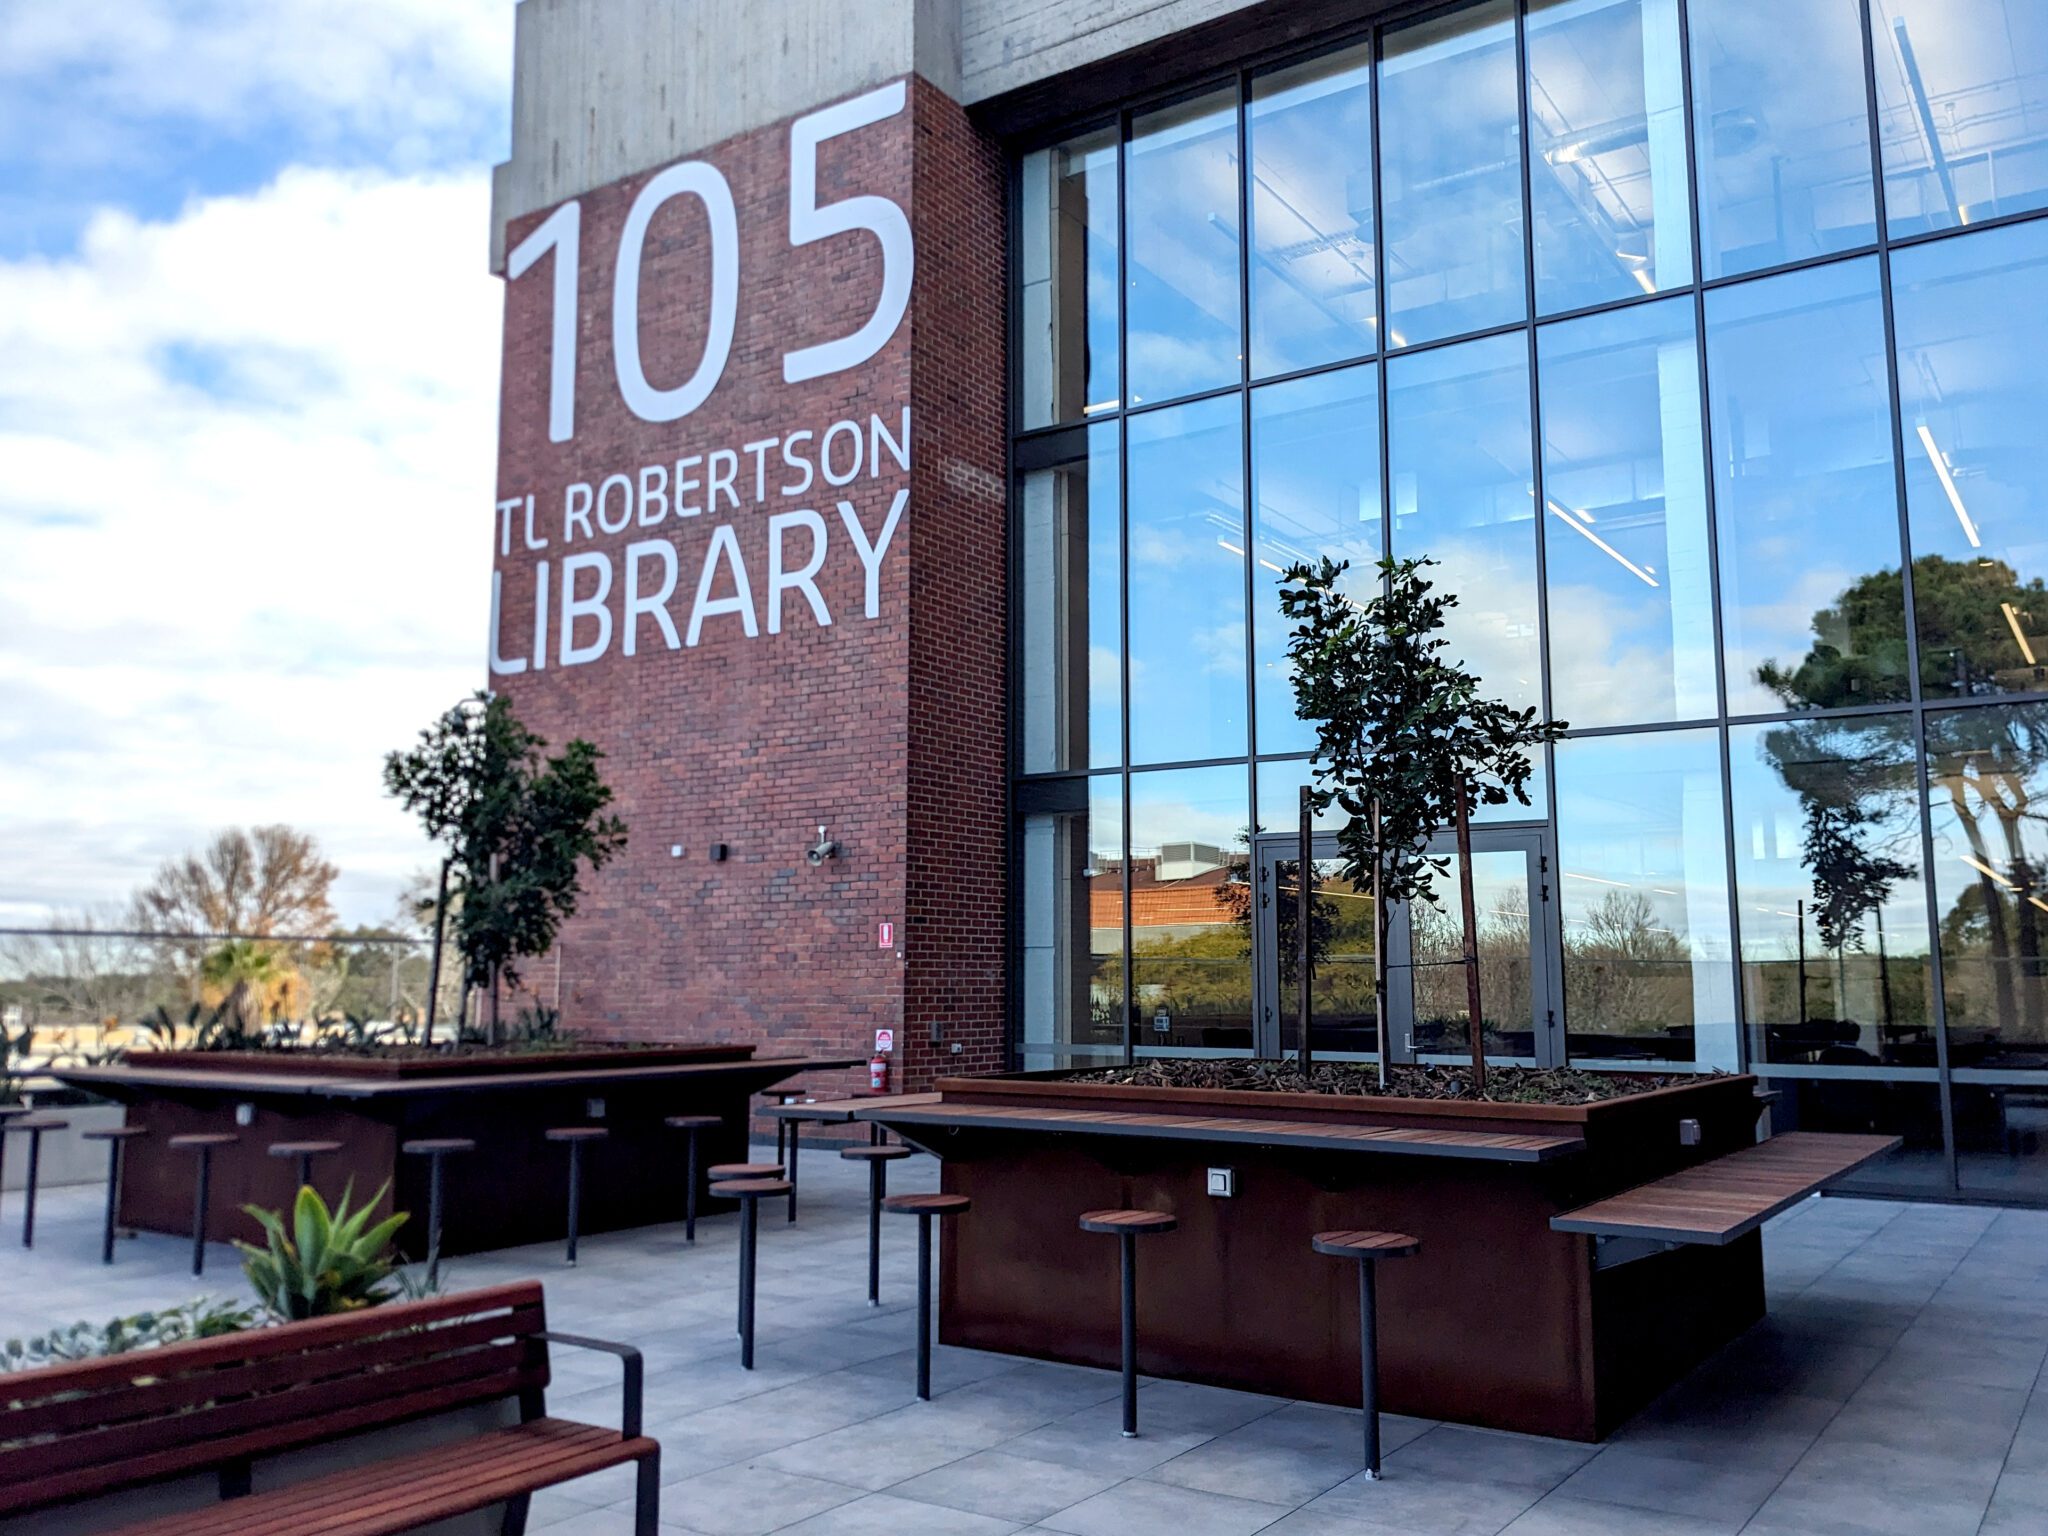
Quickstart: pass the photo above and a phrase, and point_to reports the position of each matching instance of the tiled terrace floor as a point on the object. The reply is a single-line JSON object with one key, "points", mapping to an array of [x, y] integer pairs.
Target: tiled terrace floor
{"points": [[1896, 1388]]}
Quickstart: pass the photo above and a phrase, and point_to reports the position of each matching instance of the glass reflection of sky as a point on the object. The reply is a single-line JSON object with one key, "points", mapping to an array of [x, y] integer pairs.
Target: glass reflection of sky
{"points": [[1804, 496], [1625, 533], [1182, 333], [1782, 130], [1187, 657], [1452, 175], [1973, 384], [1962, 98], [1315, 493], [1607, 176], [1458, 449], [1310, 130], [1067, 280]]}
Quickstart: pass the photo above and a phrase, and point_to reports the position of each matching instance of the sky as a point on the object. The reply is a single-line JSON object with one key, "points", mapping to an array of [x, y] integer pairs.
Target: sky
{"points": [[248, 396]]}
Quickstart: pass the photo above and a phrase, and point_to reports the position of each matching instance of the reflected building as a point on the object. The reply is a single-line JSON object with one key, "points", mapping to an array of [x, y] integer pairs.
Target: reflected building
{"points": [[1703, 345]]}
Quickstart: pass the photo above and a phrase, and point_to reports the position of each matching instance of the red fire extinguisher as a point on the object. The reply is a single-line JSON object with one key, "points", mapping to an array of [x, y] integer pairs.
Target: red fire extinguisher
{"points": [[878, 1073]]}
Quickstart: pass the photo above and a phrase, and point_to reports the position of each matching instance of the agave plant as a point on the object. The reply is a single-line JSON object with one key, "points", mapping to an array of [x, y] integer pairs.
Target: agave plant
{"points": [[331, 1261]]}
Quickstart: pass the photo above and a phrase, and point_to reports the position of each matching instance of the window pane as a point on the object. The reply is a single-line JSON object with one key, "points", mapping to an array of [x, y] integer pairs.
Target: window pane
{"points": [[1962, 99], [1451, 164], [1829, 895], [1071, 610], [1315, 492], [1073, 931], [1973, 385], [1458, 447], [1187, 583], [1607, 177], [1782, 131], [1067, 258], [1804, 496], [1184, 323], [1313, 298], [1280, 798], [1625, 533], [1191, 910], [1644, 890], [1987, 775]]}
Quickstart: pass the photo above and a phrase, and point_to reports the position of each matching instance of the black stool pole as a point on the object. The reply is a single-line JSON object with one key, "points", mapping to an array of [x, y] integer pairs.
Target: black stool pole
{"points": [[924, 1208], [113, 1201], [199, 1210], [750, 1212], [1368, 1248], [575, 1193], [35, 1160], [795, 1137], [1129, 1226], [691, 1126], [878, 1189], [434, 1222]]}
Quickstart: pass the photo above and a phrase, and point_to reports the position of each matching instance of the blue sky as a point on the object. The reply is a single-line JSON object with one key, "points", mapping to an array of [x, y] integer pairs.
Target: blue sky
{"points": [[248, 383]]}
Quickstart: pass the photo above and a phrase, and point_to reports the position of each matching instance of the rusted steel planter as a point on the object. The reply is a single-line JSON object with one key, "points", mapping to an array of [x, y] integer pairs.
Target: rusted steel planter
{"points": [[1499, 1321], [511, 1190]]}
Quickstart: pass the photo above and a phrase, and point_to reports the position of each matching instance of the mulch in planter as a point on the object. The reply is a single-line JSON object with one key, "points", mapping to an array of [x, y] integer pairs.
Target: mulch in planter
{"points": [[1504, 1085]]}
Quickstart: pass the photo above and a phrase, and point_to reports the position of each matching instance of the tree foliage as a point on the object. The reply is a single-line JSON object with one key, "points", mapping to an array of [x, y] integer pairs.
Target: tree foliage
{"points": [[483, 785], [264, 882]]}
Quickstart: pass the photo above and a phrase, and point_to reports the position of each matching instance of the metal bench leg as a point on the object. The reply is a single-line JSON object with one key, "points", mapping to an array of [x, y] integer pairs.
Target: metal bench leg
{"points": [[199, 1211], [28, 1214], [514, 1523], [878, 1189], [1129, 1243], [795, 1140], [434, 1222], [1369, 1366], [113, 1200], [690, 1200], [924, 1306], [750, 1210], [647, 1496], [575, 1193]]}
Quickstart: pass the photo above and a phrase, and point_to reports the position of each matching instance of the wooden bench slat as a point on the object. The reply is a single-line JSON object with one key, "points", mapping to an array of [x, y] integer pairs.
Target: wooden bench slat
{"points": [[1728, 1197]]}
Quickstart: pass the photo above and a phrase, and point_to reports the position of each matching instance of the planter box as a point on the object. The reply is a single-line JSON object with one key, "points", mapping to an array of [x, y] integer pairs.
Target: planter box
{"points": [[1498, 1321], [67, 1157]]}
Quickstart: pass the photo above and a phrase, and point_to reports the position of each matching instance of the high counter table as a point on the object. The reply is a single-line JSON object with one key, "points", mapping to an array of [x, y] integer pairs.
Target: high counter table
{"points": [[505, 1193]]}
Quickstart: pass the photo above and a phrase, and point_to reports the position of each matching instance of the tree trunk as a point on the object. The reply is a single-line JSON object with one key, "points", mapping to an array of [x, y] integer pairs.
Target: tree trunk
{"points": [[494, 1038], [1470, 923], [434, 969], [1303, 914], [1379, 948]]}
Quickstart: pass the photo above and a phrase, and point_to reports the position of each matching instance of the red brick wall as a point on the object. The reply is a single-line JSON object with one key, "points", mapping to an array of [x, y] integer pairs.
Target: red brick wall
{"points": [[888, 731]]}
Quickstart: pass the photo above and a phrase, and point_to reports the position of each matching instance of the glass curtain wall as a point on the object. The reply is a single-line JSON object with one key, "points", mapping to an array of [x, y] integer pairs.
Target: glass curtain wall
{"points": [[1700, 342]]}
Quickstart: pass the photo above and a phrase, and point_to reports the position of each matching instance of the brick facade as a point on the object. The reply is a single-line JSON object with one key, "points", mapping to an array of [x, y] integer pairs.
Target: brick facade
{"points": [[887, 731]]}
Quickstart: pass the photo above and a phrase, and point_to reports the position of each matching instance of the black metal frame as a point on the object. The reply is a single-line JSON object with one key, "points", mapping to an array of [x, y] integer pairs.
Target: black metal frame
{"points": [[647, 1469], [1030, 444]]}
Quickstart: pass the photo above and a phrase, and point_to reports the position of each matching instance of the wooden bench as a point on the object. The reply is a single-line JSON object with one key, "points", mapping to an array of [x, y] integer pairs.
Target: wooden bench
{"points": [[215, 1406], [1728, 1197]]}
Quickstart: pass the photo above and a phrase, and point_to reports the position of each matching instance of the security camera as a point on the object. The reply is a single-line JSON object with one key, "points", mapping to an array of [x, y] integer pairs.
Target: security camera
{"points": [[824, 848]]}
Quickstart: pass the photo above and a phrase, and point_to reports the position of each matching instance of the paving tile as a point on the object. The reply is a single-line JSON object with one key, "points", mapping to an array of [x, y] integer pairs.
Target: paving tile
{"points": [[1679, 1485], [1559, 1514], [1006, 1486], [748, 1499], [1138, 1508], [873, 1455], [881, 1514], [1088, 1439], [2019, 1504], [1479, 1455], [1424, 1502]]}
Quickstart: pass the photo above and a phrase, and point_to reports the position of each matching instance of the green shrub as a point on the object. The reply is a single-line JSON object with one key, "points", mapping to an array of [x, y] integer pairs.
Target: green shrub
{"points": [[329, 1262]]}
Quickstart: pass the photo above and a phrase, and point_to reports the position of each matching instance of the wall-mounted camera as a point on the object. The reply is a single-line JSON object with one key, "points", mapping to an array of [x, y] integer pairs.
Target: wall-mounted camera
{"points": [[824, 848]]}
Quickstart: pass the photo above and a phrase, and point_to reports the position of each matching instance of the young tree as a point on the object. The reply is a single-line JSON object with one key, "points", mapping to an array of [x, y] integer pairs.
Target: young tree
{"points": [[515, 825], [1404, 733]]}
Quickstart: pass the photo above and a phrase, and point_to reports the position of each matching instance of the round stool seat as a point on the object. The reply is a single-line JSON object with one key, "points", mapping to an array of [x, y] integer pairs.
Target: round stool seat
{"points": [[873, 1154], [745, 1187], [692, 1122], [430, 1145], [1127, 1221], [937, 1204], [576, 1133], [719, 1173], [303, 1148], [115, 1133], [201, 1139], [1366, 1245]]}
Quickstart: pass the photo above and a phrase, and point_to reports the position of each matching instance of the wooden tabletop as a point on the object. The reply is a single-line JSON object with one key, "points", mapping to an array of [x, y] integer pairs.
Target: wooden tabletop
{"points": [[1718, 1201], [1494, 1146], [258, 1085], [855, 1106]]}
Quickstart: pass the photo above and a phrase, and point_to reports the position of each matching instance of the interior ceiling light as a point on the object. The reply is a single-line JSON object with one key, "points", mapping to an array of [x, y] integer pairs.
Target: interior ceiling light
{"points": [[1983, 868], [1948, 484], [1100, 405], [2012, 619], [1621, 885], [1601, 544]]}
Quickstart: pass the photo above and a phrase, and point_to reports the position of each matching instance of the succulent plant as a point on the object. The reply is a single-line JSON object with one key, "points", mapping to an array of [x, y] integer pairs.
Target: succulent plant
{"points": [[330, 1261]]}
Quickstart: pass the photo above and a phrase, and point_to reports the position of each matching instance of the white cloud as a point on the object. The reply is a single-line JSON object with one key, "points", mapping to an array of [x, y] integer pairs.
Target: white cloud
{"points": [[246, 472], [405, 75]]}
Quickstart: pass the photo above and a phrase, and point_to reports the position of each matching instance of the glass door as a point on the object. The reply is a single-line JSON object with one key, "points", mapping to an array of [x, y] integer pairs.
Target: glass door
{"points": [[1342, 1008], [1427, 1001]]}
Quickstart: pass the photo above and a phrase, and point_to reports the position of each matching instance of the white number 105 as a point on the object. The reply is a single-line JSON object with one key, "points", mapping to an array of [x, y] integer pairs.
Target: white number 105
{"points": [[561, 233]]}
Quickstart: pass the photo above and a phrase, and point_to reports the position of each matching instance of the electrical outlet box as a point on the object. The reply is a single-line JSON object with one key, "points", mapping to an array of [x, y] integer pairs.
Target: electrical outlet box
{"points": [[594, 1108], [1223, 1182], [1688, 1133], [245, 1114]]}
